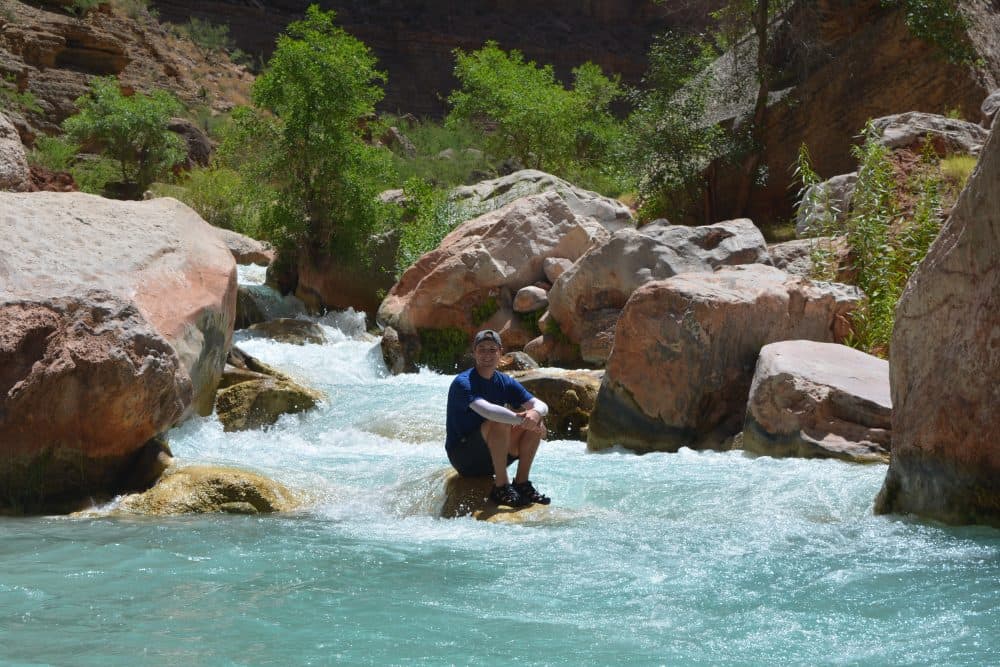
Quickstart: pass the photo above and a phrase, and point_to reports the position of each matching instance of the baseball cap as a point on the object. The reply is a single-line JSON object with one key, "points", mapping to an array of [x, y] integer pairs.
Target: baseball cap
{"points": [[487, 334]]}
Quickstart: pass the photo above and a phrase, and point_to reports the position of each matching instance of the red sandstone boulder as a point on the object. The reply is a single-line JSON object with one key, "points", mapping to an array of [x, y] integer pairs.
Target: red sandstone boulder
{"points": [[685, 350], [587, 298], [469, 281], [819, 400], [945, 366], [117, 319]]}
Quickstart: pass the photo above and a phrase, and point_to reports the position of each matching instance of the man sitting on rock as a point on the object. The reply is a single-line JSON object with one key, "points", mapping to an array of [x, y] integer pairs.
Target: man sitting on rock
{"points": [[484, 436]]}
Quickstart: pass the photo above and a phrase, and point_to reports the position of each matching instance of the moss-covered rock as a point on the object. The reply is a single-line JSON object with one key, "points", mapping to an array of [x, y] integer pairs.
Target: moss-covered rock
{"points": [[570, 396], [209, 489]]}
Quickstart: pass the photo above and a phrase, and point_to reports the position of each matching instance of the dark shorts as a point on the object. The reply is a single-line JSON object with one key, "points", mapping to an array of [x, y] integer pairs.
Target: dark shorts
{"points": [[471, 457]]}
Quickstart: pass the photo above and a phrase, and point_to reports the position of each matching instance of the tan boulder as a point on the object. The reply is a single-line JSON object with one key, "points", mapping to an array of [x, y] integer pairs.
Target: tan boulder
{"points": [[14, 171], [260, 401], [587, 297], [465, 496], [945, 366], [246, 250], [570, 395], [132, 300], [685, 350], [289, 330], [819, 400], [210, 489], [468, 282]]}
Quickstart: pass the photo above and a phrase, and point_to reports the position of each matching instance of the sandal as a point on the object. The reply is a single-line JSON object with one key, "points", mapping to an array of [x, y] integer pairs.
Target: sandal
{"points": [[527, 490], [508, 495]]}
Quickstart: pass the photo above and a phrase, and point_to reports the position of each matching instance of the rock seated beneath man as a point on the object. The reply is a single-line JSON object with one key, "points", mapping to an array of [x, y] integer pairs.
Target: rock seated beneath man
{"points": [[484, 436]]}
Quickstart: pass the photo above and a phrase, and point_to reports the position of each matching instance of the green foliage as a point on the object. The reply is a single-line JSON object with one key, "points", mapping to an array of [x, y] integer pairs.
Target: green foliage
{"points": [[940, 23], [668, 147], [886, 239], [531, 115], [81, 8], [219, 195], [461, 143], [956, 169], [428, 218], [485, 310], [530, 321], [134, 9], [207, 35], [92, 173], [132, 130], [11, 98], [53, 153], [553, 329], [442, 349], [302, 148]]}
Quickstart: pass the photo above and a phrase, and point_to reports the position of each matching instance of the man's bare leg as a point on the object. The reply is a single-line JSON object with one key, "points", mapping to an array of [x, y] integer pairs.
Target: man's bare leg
{"points": [[497, 437], [524, 445]]}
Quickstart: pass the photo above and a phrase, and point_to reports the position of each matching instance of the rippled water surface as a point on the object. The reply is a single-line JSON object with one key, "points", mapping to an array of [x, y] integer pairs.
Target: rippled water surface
{"points": [[672, 559]]}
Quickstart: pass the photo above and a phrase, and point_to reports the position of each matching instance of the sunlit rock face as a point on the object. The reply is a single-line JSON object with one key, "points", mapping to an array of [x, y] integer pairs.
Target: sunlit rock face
{"points": [[945, 366]]}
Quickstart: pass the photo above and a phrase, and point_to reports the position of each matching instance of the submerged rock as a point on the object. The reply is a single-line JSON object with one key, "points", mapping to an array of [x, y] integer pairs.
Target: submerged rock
{"points": [[945, 366], [685, 350], [208, 489], [819, 400]]}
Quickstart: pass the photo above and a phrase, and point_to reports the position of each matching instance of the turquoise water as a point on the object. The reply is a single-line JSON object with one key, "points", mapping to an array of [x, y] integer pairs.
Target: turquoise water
{"points": [[664, 559]]}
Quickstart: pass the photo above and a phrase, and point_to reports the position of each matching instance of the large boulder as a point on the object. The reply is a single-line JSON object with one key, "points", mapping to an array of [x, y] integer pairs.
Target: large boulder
{"points": [[132, 300], [686, 347], [469, 281], [913, 128], [570, 395], [587, 298], [210, 489], [945, 366], [323, 282], [989, 108], [819, 400], [798, 256], [14, 171], [485, 196]]}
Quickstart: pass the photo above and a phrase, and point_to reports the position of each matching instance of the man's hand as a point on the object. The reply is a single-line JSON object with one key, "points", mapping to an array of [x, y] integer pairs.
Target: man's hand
{"points": [[532, 421]]}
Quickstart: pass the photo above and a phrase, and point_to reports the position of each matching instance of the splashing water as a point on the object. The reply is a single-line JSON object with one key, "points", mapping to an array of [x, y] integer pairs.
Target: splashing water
{"points": [[688, 558]]}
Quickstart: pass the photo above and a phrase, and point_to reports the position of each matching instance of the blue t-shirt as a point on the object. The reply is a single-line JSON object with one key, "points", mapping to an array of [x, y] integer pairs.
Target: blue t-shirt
{"points": [[468, 386]]}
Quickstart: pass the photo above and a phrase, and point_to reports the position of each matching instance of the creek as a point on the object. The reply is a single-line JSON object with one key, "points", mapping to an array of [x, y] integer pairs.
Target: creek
{"points": [[664, 559]]}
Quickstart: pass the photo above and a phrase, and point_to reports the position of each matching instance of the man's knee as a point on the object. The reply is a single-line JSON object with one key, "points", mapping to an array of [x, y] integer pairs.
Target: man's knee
{"points": [[495, 431]]}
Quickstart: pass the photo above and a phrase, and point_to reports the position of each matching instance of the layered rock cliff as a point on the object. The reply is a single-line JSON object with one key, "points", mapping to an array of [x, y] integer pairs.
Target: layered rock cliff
{"points": [[414, 40]]}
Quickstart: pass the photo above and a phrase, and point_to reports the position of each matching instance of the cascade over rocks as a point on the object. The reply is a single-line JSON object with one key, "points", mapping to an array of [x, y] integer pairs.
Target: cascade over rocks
{"points": [[819, 400], [685, 350], [132, 300], [587, 297], [468, 282], [14, 172], [945, 366]]}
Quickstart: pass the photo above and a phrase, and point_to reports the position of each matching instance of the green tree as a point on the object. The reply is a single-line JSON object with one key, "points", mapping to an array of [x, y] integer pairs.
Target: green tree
{"points": [[302, 147], [664, 147], [531, 115], [131, 129]]}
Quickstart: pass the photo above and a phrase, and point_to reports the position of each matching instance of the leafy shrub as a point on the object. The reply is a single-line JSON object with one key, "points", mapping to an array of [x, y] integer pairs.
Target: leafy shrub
{"points": [[92, 173], [485, 310], [442, 349], [219, 195], [83, 7], [302, 148], [132, 130], [956, 169], [207, 35], [53, 153], [531, 115], [11, 98]]}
